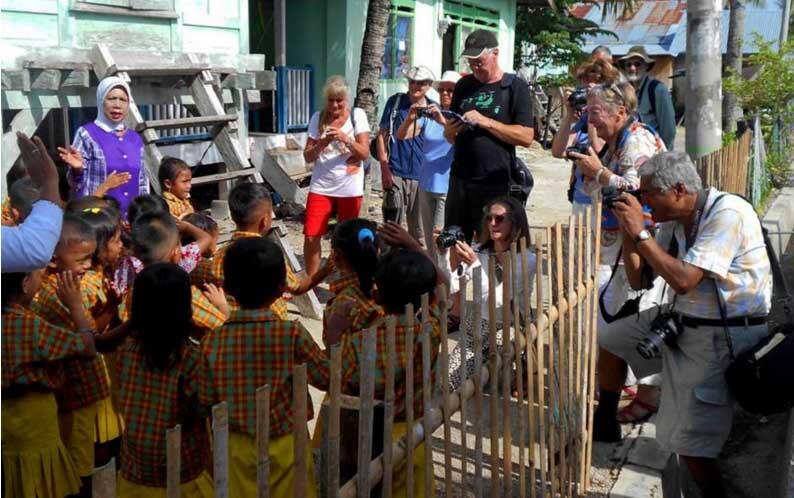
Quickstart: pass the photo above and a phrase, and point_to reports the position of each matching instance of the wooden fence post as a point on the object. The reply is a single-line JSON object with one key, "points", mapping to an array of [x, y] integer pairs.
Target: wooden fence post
{"points": [[173, 460], [388, 408], [366, 410], [478, 387], [493, 376], [409, 399], [300, 391], [103, 480], [220, 449], [263, 441]]}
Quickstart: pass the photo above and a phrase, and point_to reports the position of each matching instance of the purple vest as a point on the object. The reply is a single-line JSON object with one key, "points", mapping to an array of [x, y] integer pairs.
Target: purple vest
{"points": [[123, 155]]}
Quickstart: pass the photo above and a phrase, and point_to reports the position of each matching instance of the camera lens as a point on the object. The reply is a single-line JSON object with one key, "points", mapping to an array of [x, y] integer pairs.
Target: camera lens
{"points": [[648, 348]]}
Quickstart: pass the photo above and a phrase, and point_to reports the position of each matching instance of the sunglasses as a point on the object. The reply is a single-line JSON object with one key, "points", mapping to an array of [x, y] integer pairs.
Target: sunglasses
{"points": [[639, 64], [615, 90], [495, 218]]}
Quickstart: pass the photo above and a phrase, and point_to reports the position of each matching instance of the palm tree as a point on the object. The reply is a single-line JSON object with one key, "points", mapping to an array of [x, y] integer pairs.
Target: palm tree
{"points": [[731, 109], [372, 57]]}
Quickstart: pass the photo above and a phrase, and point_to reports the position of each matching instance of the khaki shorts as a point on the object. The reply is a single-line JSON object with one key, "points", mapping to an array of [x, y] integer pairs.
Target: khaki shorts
{"points": [[696, 409]]}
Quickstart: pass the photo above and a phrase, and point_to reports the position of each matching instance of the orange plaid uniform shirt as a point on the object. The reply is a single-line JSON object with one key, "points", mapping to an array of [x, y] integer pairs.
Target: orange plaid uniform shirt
{"points": [[85, 381], [154, 400], [178, 207], [32, 349], [5, 211], [206, 317], [360, 311], [252, 349], [211, 271], [353, 351]]}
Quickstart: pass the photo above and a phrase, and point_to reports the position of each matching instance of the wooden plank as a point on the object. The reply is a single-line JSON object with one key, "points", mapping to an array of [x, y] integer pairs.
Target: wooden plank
{"points": [[45, 79], [88, 8], [27, 122], [388, 407], [168, 124], [558, 407], [173, 461], [427, 388], [569, 356], [16, 80], [547, 462], [76, 78], [103, 480], [592, 340], [444, 383], [265, 80], [300, 393], [531, 366], [477, 421], [465, 310], [516, 292], [366, 413], [220, 177], [409, 399], [507, 372], [493, 377], [245, 81], [220, 449], [263, 441], [333, 438], [308, 304], [102, 60]]}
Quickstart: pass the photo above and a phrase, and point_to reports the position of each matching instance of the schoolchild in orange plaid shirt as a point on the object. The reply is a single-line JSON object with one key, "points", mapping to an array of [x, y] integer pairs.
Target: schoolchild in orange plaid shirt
{"points": [[256, 348], [155, 239], [35, 460], [175, 176], [19, 204], [86, 381], [158, 372], [402, 277], [251, 208]]}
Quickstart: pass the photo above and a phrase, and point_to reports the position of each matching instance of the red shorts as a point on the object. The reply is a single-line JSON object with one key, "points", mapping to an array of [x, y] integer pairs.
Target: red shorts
{"points": [[319, 208]]}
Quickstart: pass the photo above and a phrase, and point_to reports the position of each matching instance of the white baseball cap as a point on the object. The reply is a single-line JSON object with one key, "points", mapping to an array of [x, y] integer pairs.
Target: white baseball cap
{"points": [[420, 73], [447, 77]]}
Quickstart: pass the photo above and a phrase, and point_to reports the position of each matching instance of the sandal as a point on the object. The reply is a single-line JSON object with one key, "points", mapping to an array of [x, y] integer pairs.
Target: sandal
{"points": [[629, 392], [635, 412]]}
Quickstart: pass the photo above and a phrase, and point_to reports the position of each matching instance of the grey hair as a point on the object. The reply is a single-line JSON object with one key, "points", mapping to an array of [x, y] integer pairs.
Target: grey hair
{"points": [[668, 169], [601, 49], [614, 95]]}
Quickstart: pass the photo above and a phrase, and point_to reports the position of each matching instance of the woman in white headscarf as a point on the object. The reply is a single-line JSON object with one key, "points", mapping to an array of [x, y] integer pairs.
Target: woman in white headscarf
{"points": [[106, 156]]}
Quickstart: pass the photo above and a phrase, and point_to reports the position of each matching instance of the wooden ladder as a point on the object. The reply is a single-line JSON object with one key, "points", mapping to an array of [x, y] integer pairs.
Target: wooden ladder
{"points": [[223, 129]]}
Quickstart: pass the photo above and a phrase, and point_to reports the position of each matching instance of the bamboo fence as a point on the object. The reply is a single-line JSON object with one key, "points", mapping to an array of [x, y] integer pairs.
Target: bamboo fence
{"points": [[727, 169], [538, 410]]}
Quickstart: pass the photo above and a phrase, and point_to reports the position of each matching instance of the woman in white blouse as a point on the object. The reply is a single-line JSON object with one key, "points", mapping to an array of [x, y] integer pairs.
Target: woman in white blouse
{"points": [[338, 143], [504, 222]]}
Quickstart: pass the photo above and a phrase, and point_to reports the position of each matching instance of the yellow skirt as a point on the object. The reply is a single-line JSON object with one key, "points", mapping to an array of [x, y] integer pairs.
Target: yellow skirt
{"points": [[109, 424], [399, 489], [242, 466], [200, 487], [36, 463], [77, 430]]}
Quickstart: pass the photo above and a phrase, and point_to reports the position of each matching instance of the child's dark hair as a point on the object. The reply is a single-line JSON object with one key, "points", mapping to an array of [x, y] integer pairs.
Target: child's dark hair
{"points": [[11, 287], [105, 222], [17, 172], [112, 202], [170, 167], [153, 235], [162, 313], [86, 202], [22, 194], [201, 221], [254, 271], [243, 200], [146, 204], [402, 277], [355, 241], [76, 229]]}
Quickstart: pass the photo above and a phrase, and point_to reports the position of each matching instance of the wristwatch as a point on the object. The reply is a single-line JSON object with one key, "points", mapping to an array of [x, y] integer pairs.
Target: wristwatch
{"points": [[643, 235]]}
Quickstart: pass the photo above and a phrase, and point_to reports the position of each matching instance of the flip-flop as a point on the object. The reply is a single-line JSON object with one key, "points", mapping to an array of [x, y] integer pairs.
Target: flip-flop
{"points": [[635, 412], [629, 392]]}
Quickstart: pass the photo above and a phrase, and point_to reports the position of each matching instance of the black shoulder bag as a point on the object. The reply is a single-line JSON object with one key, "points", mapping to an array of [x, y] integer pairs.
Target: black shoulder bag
{"points": [[520, 181], [762, 378]]}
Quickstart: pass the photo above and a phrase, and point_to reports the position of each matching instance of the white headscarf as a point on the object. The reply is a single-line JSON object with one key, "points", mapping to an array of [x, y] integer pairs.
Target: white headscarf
{"points": [[105, 86]]}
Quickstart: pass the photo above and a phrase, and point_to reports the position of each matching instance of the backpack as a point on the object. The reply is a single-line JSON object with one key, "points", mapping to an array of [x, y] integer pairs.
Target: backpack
{"points": [[652, 84]]}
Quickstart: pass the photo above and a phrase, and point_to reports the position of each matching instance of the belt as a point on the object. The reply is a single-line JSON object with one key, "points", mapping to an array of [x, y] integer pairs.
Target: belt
{"points": [[739, 321]]}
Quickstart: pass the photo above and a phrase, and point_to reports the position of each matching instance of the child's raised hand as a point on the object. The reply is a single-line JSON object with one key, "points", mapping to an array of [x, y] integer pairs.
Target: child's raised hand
{"points": [[68, 290], [395, 235], [217, 297]]}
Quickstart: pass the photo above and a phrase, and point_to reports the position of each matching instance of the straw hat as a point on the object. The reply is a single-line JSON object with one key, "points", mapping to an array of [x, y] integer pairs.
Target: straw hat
{"points": [[638, 51], [447, 77]]}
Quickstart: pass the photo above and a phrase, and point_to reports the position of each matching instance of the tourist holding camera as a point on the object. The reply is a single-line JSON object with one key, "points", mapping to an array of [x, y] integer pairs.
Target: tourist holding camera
{"points": [[575, 133], [504, 222], [710, 251], [428, 122]]}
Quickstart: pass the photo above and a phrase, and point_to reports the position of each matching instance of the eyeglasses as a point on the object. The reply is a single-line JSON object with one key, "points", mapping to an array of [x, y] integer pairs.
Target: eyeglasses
{"points": [[635, 63], [495, 218], [446, 90], [478, 62]]}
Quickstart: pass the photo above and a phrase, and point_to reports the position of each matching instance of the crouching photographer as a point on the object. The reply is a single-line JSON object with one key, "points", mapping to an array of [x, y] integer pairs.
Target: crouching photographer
{"points": [[710, 252]]}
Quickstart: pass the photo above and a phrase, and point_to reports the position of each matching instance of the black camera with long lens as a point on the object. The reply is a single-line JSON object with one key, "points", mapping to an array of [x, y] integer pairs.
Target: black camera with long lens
{"points": [[610, 195], [578, 99], [450, 236], [665, 329], [579, 148]]}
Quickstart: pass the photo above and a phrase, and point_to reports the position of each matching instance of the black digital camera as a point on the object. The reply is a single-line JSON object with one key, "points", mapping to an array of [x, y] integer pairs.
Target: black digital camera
{"points": [[450, 236], [422, 112], [578, 99], [665, 329], [610, 195], [579, 148]]}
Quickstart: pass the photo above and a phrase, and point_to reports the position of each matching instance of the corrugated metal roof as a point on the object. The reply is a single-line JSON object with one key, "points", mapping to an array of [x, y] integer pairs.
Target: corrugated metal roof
{"points": [[660, 26]]}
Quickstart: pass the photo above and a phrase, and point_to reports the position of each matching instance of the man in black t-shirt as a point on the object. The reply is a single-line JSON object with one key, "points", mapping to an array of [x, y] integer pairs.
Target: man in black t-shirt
{"points": [[497, 116]]}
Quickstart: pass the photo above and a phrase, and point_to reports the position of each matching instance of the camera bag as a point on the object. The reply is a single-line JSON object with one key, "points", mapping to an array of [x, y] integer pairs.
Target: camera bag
{"points": [[520, 180], [762, 378]]}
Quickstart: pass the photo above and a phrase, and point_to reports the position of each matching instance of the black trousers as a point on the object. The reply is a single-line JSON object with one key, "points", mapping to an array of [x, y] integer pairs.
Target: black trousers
{"points": [[466, 201]]}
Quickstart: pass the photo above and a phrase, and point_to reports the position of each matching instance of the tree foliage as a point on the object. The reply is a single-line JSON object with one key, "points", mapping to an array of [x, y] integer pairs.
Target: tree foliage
{"points": [[557, 36]]}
